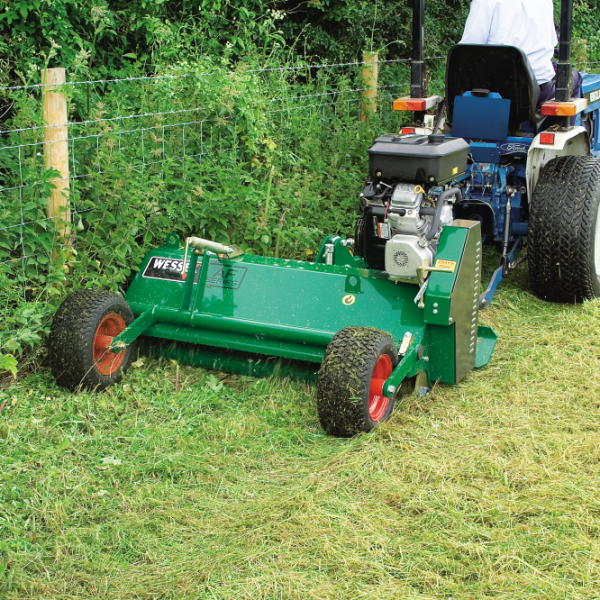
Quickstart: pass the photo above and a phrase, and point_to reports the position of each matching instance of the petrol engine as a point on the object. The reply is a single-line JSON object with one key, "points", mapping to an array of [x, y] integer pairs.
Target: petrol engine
{"points": [[407, 200]]}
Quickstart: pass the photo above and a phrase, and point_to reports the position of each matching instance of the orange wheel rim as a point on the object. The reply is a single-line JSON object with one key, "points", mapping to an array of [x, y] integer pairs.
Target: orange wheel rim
{"points": [[106, 361], [378, 403]]}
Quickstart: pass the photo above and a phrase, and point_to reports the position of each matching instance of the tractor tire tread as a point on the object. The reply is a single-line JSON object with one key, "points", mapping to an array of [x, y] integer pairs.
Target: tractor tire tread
{"points": [[562, 230]]}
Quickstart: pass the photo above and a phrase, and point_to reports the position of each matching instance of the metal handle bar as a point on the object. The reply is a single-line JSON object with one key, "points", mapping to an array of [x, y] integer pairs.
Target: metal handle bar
{"points": [[199, 243]]}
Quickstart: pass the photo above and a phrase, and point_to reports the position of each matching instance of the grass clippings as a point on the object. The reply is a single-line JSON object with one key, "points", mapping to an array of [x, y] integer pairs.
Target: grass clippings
{"points": [[227, 488]]}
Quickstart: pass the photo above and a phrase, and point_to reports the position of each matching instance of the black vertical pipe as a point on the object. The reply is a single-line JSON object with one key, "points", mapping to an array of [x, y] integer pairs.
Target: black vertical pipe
{"points": [[417, 67], [563, 68]]}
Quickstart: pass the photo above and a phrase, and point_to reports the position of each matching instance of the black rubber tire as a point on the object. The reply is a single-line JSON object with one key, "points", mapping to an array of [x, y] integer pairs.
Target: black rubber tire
{"points": [[561, 244], [70, 347], [345, 379]]}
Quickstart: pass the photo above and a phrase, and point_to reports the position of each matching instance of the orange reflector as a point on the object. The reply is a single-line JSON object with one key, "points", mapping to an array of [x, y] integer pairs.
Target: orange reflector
{"points": [[546, 138], [406, 130], [559, 109], [409, 104]]}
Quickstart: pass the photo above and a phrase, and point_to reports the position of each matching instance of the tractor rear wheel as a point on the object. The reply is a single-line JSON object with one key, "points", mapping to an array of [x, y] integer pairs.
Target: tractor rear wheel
{"points": [[564, 230], [350, 396], [80, 338]]}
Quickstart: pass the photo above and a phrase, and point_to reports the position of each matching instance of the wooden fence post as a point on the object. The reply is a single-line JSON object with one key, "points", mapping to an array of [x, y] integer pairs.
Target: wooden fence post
{"points": [[56, 149], [369, 78]]}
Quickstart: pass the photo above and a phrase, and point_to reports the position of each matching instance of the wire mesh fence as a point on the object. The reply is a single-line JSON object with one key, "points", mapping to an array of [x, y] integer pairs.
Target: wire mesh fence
{"points": [[158, 136]]}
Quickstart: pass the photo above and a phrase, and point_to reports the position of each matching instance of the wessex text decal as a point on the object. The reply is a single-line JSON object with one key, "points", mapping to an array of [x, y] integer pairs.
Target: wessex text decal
{"points": [[169, 269]]}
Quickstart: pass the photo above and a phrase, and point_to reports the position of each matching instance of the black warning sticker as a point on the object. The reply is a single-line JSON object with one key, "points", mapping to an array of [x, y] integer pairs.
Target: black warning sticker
{"points": [[593, 96], [219, 275]]}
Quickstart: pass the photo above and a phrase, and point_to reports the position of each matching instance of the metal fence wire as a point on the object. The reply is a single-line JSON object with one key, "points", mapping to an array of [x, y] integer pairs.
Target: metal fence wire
{"points": [[135, 129]]}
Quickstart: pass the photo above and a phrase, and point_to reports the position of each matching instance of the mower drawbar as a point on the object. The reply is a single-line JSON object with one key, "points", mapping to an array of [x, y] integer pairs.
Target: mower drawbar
{"points": [[211, 305]]}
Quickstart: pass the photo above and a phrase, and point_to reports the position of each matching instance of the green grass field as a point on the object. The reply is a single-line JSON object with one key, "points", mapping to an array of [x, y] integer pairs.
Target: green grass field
{"points": [[227, 487]]}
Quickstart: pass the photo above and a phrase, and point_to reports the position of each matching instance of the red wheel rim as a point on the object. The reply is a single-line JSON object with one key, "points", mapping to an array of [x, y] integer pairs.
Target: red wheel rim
{"points": [[378, 403], [110, 327]]}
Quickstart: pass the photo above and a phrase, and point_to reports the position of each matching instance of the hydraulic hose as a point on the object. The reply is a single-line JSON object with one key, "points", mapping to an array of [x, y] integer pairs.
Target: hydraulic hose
{"points": [[437, 215]]}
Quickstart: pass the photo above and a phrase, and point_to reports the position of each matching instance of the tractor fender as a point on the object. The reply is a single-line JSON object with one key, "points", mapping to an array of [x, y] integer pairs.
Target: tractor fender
{"points": [[575, 141]]}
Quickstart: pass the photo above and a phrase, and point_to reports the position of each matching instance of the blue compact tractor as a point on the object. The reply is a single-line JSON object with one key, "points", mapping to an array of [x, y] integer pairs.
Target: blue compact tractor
{"points": [[488, 153]]}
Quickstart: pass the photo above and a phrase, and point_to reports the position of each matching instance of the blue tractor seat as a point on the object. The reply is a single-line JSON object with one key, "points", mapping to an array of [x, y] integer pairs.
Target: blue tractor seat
{"points": [[501, 70]]}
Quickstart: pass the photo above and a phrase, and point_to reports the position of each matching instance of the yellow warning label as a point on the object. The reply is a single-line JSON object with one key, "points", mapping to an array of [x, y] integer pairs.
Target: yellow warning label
{"points": [[349, 299], [440, 263], [454, 170]]}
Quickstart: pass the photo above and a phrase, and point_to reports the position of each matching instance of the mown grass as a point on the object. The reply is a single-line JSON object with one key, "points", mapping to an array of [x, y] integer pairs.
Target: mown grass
{"points": [[227, 488]]}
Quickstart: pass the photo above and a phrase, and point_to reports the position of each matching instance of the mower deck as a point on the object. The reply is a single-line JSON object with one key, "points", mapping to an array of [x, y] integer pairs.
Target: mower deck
{"points": [[292, 309]]}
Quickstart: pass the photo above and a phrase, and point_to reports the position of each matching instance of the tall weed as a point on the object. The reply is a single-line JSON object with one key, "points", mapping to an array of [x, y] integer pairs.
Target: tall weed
{"points": [[270, 160]]}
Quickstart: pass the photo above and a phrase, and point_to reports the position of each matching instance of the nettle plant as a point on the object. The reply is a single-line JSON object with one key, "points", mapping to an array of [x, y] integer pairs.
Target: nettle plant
{"points": [[272, 160], [258, 161]]}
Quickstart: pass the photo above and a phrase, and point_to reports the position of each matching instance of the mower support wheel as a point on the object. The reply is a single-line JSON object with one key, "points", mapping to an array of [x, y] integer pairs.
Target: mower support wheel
{"points": [[357, 362], [80, 338], [564, 230]]}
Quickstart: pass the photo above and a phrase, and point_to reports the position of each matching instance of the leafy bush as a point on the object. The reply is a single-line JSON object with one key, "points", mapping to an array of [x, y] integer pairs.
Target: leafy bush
{"points": [[106, 38], [23, 324], [262, 158]]}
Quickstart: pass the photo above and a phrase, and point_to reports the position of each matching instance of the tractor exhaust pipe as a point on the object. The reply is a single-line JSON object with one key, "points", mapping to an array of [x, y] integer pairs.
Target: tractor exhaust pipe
{"points": [[439, 206], [563, 68]]}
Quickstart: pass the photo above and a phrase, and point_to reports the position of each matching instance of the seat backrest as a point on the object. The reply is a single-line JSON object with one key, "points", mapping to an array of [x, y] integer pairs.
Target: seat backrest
{"points": [[504, 70]]}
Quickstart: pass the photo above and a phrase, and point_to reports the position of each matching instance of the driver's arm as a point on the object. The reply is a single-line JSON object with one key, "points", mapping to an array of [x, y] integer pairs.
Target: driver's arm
{"points": [[478, 25]]}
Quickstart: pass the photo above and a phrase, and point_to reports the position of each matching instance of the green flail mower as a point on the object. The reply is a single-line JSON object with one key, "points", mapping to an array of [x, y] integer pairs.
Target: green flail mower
{"points": [[363, 334]]}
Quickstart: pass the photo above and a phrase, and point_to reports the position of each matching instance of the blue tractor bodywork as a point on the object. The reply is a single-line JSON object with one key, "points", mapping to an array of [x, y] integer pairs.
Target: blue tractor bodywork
{"points": [[492, 103], [497, 168], [497, 149], [591, 92]]}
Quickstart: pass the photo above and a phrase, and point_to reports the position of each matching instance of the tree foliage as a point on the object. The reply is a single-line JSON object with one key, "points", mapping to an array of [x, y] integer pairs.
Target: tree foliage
{"points": [[105, 38]]}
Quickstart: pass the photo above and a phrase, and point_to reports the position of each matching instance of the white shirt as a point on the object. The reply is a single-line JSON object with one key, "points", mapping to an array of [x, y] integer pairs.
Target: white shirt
{"points": [[526, 24]]}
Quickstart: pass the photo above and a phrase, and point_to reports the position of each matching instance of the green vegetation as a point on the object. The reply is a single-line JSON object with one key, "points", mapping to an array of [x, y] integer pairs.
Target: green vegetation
{"points": [[109, 38], [183, 483], [237, 156], [227, 487]]}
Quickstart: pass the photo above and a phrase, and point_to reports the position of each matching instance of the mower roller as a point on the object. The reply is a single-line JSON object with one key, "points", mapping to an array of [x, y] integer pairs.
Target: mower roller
{"points": [[399, 302]]}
